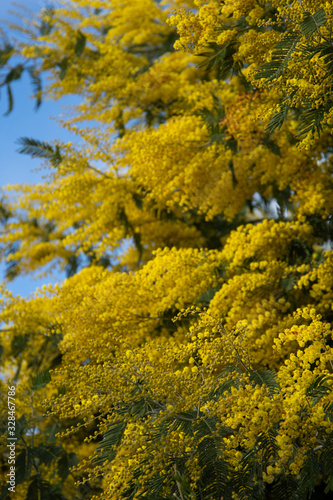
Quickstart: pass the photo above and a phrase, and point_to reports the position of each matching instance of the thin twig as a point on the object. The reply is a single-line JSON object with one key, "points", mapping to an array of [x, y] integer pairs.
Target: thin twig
{"points": [[99, 172]]}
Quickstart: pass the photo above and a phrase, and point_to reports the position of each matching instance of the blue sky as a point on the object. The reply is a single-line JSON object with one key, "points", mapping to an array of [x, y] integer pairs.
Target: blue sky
{"points": [[25, 122]]}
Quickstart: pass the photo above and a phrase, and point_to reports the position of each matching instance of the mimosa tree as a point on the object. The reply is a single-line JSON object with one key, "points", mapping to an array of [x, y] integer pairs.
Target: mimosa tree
{"points": [[189, 352]]}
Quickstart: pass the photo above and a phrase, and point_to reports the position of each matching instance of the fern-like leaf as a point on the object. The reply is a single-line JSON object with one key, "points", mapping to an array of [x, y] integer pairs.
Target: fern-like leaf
{"points": [[220, 57], [14, 74], [312, 22], [10, 100], [207, 296], [267, 378], [328, 408], [63, 66], [277, 121], [214, 470], [282, 52], [324, 51], [5, 54], [39, 149], [285, 488], [266, 444], [46, 25], [36, 83], [309, 475], [287, 283], [107, 449], [80, 43], [319, 388], [326, 460], [41, 380], [311, 121]]}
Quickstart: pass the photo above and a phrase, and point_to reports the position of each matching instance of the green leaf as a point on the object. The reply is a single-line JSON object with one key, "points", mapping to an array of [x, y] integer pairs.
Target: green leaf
{"points": [[45, 27], [207, 296], [4, 493], [271, 145], [220, 57], [311, 120], [325, 51], [18, 344], [319, 388], [326, 460], [265, 377], [312, 22], [41, 380], [285, 488], [14, 74], [5, 54], [327, 54], [299, 252], [282, 52], [21, 425], [233, 175], [107, 449], [139, 408], [10, 100], [287, 283], [214, 470], [36, 83], [309, 474], [65, 463], [46, 454], [52, 430], [221, 389], [266, 444], [35, 148], [80, 43], [39, 149], [63, 65], [329, 411], [23, 465], [39, 489], [277, 121]]}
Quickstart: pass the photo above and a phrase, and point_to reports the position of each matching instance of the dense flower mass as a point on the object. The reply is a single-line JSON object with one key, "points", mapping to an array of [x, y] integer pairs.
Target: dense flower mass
{"points": [[189, 352]]}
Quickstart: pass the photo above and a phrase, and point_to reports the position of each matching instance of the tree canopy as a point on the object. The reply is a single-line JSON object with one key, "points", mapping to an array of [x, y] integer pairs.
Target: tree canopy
{"points": [[188, 354]]}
